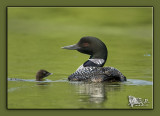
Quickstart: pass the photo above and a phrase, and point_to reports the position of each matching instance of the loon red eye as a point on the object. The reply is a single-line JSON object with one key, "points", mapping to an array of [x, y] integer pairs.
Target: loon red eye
{"points": [[85, 44], [44, 72]]}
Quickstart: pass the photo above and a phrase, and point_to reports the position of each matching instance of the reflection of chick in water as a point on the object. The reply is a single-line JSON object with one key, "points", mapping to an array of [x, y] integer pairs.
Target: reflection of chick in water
{"points": [[97, 91]]}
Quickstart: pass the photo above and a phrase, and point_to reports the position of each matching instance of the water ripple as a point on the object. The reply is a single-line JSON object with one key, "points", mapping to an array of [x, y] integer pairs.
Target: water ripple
{"points": [[138, 82], [128, 82]]}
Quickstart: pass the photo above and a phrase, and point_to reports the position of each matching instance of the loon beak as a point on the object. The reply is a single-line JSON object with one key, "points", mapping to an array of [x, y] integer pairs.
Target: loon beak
{"points": [[50, 73], [71, 47]]}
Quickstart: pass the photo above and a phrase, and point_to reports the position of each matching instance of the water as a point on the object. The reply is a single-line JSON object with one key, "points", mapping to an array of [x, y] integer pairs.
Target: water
{"points": [[71, 95], [35, 38]]}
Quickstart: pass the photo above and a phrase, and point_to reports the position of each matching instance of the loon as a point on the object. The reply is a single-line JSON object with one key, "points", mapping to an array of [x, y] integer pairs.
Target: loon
{"points": [[42, 74], [93, 70]]}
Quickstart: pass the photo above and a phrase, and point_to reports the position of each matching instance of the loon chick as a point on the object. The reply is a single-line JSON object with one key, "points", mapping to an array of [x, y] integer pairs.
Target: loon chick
{"points": [[92, 69], [41, 74]]}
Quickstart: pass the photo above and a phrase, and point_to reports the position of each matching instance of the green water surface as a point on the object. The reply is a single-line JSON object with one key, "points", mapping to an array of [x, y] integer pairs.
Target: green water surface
{"points": [[35, 38]]}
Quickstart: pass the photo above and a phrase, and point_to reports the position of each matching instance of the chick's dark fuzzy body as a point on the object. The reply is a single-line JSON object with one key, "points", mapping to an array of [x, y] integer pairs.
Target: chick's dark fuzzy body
{"points": [[42, 74]]}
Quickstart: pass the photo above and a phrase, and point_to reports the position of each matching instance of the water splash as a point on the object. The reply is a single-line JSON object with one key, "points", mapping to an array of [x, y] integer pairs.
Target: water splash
{"points": [[137, 82]]}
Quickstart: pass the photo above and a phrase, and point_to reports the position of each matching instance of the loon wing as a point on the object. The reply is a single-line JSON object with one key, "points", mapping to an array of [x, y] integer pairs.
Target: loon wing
{"points": [[113, 74]]}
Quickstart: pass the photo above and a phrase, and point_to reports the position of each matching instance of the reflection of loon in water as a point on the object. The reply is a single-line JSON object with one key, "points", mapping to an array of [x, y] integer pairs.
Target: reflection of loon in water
{"points": [[92, 69], [97, 92]]}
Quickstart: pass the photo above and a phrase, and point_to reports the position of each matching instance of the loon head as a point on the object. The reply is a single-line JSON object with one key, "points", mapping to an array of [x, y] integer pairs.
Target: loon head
{"points": [[41, 74], [91, 46]]}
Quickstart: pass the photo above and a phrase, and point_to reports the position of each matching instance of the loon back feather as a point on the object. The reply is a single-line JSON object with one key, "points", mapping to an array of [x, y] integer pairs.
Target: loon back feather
{"points": [[99, 73]]}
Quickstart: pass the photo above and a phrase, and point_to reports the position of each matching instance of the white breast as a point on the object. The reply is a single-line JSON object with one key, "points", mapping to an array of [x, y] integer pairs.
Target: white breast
{"points": [[97, 61]]}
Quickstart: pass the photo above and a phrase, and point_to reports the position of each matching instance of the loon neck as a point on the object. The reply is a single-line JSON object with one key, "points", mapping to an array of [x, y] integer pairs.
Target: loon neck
{"points": [[99, 55], [96, 60]]}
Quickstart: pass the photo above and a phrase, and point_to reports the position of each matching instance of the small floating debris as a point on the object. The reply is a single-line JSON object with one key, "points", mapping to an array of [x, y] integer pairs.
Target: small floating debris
{"points": [[147, 54]]}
